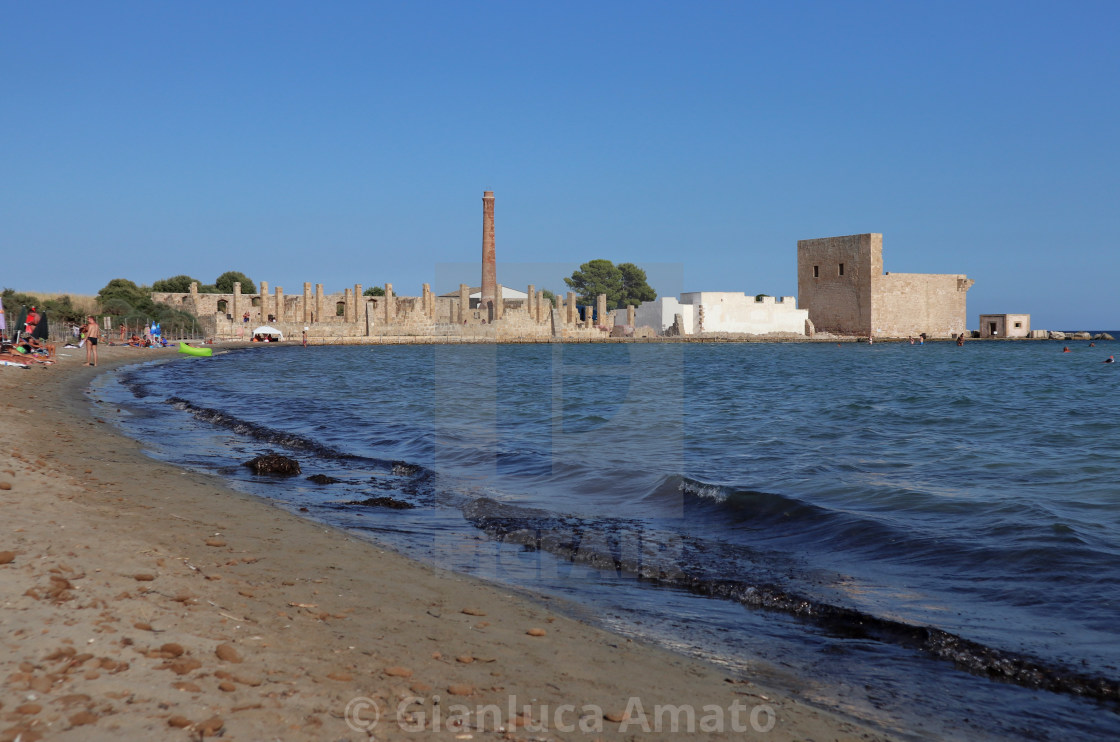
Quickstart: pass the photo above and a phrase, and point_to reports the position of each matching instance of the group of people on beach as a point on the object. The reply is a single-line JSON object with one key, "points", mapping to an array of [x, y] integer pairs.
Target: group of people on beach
{"points": [[28, 350]]}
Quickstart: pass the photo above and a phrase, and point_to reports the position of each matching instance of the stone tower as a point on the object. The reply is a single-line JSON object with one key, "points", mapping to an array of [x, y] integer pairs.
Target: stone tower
{"points": [[841, 281], [489, 260]]}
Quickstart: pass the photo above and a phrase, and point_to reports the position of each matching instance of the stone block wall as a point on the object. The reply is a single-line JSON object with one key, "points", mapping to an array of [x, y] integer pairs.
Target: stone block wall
{"points": [[834, 281], [840, 281], [907, 304]]}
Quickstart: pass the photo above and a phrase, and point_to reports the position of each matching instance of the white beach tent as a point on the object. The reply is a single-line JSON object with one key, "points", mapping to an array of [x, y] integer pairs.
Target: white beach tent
{"points": [[270, 331]]}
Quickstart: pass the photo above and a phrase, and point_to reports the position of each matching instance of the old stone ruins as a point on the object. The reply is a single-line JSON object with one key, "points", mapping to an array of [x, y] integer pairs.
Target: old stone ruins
{"points": [[841, 284]]}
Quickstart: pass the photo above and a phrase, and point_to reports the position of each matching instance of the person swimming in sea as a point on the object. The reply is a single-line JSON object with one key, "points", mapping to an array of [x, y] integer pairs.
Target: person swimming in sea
{"points": [[1110, 359], [1066, 350]]}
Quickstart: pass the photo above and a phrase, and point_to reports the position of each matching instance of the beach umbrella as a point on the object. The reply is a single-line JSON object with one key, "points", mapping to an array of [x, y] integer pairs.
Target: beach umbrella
{"points": [[18, 326], [41, 330]]}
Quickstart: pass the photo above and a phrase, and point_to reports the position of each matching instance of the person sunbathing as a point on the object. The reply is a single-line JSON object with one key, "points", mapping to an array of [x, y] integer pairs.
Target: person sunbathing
{"points": [[22, 354], [37, 345]]}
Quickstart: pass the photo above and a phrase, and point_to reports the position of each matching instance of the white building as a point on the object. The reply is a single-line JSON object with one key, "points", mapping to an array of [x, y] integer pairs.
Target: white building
{"points": [[724, 311]]}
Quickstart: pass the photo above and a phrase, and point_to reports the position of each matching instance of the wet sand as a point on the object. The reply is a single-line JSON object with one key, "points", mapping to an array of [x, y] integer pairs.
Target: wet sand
{"points": [[142, 601]]}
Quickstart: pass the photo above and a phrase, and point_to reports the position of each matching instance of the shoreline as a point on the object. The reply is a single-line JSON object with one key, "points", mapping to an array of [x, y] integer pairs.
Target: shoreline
{"points": [[147, 601]]}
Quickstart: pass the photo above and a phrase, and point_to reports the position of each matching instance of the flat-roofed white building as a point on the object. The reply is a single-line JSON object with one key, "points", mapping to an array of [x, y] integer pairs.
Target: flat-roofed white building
{"points": [[724, 311]]}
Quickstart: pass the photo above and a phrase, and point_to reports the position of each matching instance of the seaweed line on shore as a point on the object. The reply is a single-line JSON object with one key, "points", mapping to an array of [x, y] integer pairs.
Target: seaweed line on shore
{"points": [[538, 530]]}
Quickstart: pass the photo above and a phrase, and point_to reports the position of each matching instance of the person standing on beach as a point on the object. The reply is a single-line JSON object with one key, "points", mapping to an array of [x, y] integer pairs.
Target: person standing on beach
{"points": [[93, 334], [31, 322]]}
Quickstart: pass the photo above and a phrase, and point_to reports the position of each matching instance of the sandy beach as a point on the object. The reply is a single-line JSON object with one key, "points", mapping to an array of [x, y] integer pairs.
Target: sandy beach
{"points": [[142, 601]]}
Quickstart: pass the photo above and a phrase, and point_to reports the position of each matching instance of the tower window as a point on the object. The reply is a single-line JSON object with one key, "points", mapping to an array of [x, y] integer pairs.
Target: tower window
{"points": [[816, 271], [841, 269]]}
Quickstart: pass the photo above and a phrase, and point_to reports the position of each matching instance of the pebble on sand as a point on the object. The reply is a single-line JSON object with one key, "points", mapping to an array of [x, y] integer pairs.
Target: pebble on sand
{"points": [[215, 542], [536, 632], [227, 653], [7, 557], [179, 722], [474, 612], [172, 650], [144, 577], [182, 666], [461, 690], [210, 727], [398, 672], [187, 687], [82, 718]]}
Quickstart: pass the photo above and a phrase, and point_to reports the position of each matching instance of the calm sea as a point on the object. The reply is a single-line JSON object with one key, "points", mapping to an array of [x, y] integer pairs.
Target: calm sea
{"points": [[926, 537]]}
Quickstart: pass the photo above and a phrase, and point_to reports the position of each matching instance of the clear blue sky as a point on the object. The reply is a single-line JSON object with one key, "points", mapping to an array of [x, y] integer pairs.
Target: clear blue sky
{"points": [[350, 142]]}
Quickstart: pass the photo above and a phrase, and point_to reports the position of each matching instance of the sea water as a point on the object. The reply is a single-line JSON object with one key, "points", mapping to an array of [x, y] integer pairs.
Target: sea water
{"points": [[925, 537]]}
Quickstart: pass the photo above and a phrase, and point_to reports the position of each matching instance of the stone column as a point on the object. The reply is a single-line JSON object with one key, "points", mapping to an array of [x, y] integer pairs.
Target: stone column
{"points": [[264, 302], [499, 307], [357, 302], [531, 295], [306, 303], [427, 301], [630, 311], [347, 306], [390, 305], [279, 303], [542, 315], [601, 310], [236, 301], [489, 259], [464, 302], [319, 303], [573, 315]]}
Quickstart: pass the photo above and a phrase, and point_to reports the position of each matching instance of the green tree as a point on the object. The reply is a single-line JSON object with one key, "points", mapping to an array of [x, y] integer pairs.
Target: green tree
{"points": [[596, 277], [13, 300], [758, 297], [624, 284], [374, 291], [224, 283], [635, 289], [180, 284], [122, 289], [117, 307], [549, 296], [62, 309]]}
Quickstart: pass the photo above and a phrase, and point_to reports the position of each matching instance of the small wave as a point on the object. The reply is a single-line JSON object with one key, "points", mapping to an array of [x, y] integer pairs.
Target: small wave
{"points": [[596, 544]]}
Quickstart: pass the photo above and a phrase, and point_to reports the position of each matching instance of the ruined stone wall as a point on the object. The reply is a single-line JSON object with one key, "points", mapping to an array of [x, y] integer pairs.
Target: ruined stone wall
{"points": [[258, 307], [421, 316], [834, 281], [906, 304]]}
